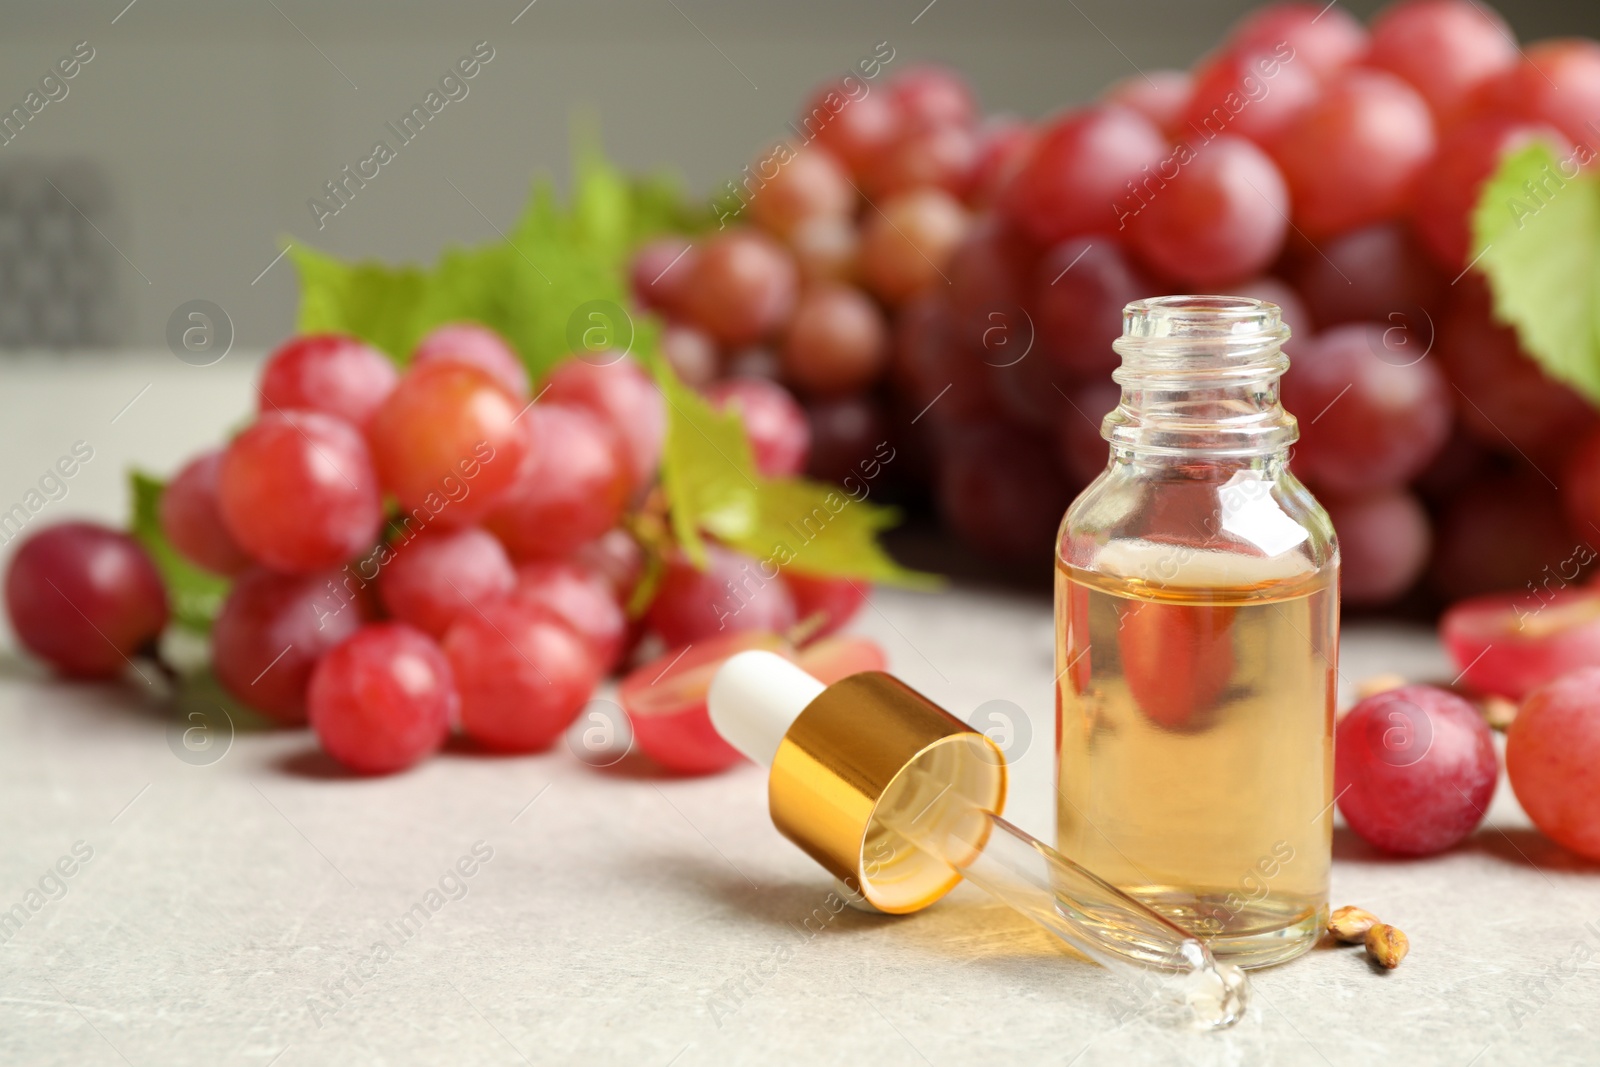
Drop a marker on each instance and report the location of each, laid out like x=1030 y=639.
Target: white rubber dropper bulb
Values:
x=755 y=697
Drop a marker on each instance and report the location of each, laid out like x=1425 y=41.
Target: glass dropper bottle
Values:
x=900 y=800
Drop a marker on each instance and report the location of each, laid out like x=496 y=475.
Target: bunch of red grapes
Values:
x=416 y=552
x=913 y=272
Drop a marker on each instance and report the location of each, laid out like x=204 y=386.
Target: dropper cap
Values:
x=842 y=758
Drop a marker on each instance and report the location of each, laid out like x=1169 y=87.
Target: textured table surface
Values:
x=232 y=908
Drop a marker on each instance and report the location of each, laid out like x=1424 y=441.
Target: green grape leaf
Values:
x=195 y=595
x=1537 y=224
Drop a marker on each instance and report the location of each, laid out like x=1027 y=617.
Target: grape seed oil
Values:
x=1197 y=642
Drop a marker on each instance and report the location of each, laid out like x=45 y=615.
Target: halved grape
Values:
x=1509 y=644
x=85 y=598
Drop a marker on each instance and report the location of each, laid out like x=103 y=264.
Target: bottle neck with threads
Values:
x=1199 y=381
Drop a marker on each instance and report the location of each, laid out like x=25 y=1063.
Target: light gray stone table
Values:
x=616 y=917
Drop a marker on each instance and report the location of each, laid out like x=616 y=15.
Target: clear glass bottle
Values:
x=1197 y=625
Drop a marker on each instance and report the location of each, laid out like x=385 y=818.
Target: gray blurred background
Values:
x=183 y=154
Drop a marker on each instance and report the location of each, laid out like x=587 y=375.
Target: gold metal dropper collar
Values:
x=840 y=774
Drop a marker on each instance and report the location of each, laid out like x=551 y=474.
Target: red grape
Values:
x=1291 y=307
x=1414 y=769
x=735 y=592
x=940 y=376
x=327 y=372
x=523 y=674
x=907 y=242
x=1162 y=96
x=435 y=576
x=1556 y=82
x=835 y=600
x=1509 y=644
x=743 y=287
x=989 y=278
x=1552 y=749
x=809 y=184
x=1503 y=399
x=666 y=702
x=298 y=491
x=1076 y=178
x=272 y=630
x=826 y=249
x=939 y=156
x=1003 y=143
x=1445 y=48
x=851 y=121
x=191 y=518
x=1079 y=290
x=1353 y=157
x=932 y=96
x=1366 y=421
x=84 y=598
x=617 y=557
x=691 y=352
x=447 y=442
x=1000 y=492
x=1323 y=37
x=1374 y=274
x=1383 y=545
x=475 y=346
x=582 y=598
x=1580 y=494
x=1254 y=93
x=662 y=272
x=845 y=436
x=1083 y=453
x=1221 y=218
x=620 y=394
x=573 y=486
x=775 y=425
x=837 y=342
x=1500 y=532
x=1468 y=154
x=383 y=699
